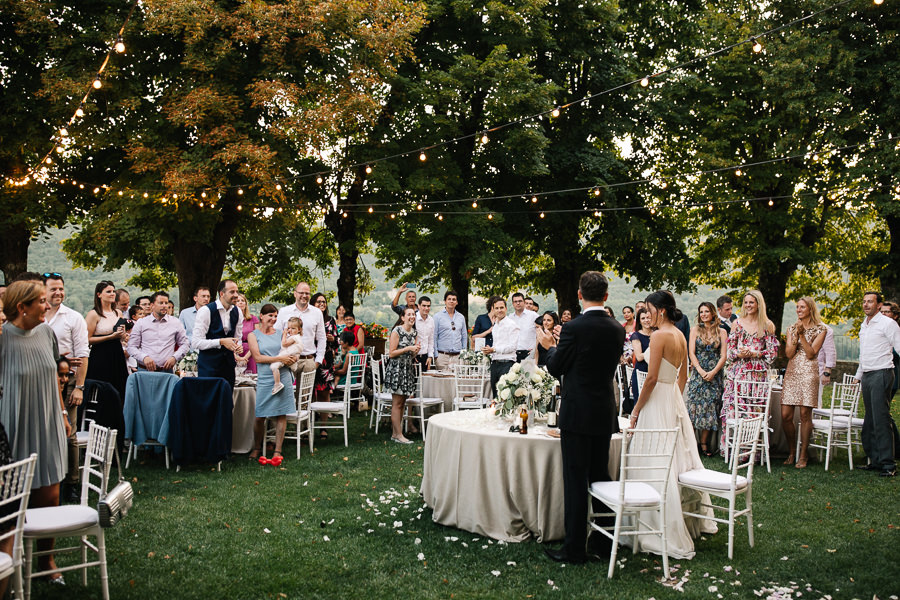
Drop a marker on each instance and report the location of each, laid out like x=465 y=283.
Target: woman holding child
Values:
x=266 y=347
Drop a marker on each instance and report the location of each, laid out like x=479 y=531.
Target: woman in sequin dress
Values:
x=801 y=379
x=752 y=346
x=706 y=352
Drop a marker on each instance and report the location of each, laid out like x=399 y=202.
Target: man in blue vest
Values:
x=217 y=334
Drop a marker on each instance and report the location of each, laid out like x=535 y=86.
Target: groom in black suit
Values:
x=587 y=355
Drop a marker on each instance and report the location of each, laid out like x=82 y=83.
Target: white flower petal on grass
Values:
x=510 y=563
x=420 y=556
x=453 y=538
x=370 y=530
x=712 y=588
x=727 y=568
x=266 y=530
x=326 y=538
x=398 y=524
x=417 y=541
x=784 y=558
x=465 y=545
x=495 y=573
x=550 y=582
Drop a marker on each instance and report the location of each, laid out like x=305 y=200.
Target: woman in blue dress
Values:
x=706 y=354
x=265 y=345
x=640 y=342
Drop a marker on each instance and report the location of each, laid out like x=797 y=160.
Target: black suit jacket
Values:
x=587 y=355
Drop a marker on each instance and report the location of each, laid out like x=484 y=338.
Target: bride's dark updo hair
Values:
x=664 y=300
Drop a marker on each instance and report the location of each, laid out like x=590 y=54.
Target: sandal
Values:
x=801 y=464
x=254 y=455
x=789 y=460
x=323 y=435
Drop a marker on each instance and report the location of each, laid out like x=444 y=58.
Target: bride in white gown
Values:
x=661 y=406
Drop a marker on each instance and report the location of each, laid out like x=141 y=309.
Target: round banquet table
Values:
x=480 y=477
x=441 y=385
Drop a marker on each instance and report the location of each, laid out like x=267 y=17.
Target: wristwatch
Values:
x=826 y=373
x=79 y=387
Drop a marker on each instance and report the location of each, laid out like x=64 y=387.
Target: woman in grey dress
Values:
x=400 y=373
x=32 y=408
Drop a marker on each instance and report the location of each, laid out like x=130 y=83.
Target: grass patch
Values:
x=260 y=532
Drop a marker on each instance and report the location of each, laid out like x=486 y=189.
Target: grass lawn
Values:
x=349 y=523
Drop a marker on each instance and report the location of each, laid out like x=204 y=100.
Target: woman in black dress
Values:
x=107 y=358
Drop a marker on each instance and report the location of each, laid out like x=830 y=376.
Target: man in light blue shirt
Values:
x=450 y=335
x=189 y=315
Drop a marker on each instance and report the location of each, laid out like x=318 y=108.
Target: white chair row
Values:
x=833 y=427
x=642 y=487
x=299 y=422
x=415 y=407
x=751 y=400
x=351 y=390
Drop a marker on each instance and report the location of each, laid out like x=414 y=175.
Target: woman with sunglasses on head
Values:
x=107 y=359
x=32 y=408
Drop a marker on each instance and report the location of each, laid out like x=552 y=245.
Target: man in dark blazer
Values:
x=587 y=356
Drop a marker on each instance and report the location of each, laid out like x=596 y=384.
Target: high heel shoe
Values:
x=276 y=461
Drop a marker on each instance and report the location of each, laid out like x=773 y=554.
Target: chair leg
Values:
x=748 y=503
x=665 y=544
x=101 y=555
x=84 y=560
x=166 y=452
x=828 y=443
x=131 y=448
x=731 y=528
x=346 y=440
x=29 y=548
x=615 y=545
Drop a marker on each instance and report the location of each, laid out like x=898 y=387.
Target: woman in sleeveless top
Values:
x=400 y=373
x=107 y=358
x=661 y=406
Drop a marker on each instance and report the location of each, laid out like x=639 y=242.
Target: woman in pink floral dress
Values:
x=752 y=346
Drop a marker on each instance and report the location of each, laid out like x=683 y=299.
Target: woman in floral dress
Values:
x=706 y=351
x=400 y=373
x=325 y=374
x=752 y=346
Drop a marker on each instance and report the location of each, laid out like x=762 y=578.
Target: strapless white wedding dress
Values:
x=666 y=409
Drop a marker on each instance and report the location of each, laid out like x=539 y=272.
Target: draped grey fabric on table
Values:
x=481 y=478
x=243 y=416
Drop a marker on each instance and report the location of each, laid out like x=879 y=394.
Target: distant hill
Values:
x=46 y=255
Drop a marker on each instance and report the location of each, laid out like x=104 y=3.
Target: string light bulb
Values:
x=542 y=215
x=393 y=216
x=146 y=194
x=484 y=138
x=757 y=45
x=490 y=216
x=120 y=45
x=475 y=204
x=879 y=2
x=319 y=179
x=771 y=203
x=422 y=157
x=240 y=191
x=278 y=186
x=63 y=132
x=201 y=205
x=98 y=83
x=96 y=190
x=554 y=113
x=534 y=199
x=419 y=206
x=645 y=82
x=596 y=191
x=440 y=217
x=344 y=214
x=738 y=172
x=371 y=210
x=368 y=169
x=79 y=112
x=120 y=192
x=203 y=194
x=49 y=161
x=239 y=207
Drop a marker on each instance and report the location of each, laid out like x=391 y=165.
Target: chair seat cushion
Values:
x=57 y=520
x=5 y=562
x=714 y=480
x=425 y=401
x=335 y=407
x=81 y=437
x=825 y=412
x=823 y=424
x=637 y=493
x=294 y=416
x=383 y=396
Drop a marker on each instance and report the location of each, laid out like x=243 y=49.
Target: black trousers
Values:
x=585 y=459
x=499 y=368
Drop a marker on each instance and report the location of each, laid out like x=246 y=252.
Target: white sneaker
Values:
x=277 y=387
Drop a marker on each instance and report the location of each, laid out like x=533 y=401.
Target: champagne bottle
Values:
x=552 y=409
x=523 y=414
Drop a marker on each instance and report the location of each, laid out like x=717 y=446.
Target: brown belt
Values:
x=306 y=356
x=448 y=353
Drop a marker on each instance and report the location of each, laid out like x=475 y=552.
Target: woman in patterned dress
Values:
x=250 y=322
x=752 y=346
x=801 y=378
x=704 y=389
x=400 y=373
x=325 y=374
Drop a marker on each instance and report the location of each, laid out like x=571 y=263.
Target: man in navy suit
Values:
x=587 y=356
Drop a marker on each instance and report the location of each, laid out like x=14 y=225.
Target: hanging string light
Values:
x=120 y=45
x=368 y=169
x=554 y=113
x=422 y=156
x=484 y=138
x=757 y=45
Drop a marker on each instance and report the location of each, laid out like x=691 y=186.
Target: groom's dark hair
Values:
x=593 y=286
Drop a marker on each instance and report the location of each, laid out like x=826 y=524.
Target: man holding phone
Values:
x=409 y=290
x=154 y=339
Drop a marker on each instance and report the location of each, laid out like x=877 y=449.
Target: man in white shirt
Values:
x=524 y=318
x=505 y=334
x=158 y=341
x=314 y=340
x=217 y=334
x=72 y=338
x=878 y=335
x=425 y=331
x=827 y=360
x=189 y=315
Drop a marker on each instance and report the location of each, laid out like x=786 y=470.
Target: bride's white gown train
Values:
x=666 y=409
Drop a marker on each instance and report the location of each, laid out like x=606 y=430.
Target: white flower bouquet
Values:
x=527 y=384
x=189 y=362
x=474 y=357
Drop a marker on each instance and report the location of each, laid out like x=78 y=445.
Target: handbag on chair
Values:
x=115 y=504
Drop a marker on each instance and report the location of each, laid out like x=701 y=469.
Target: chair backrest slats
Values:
x=97 y=461
x=469 y=380
x=305 y=390
x=15 y=488
x=647 y=457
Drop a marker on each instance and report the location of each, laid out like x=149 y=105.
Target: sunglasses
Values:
x=453 y=325
x=46 y=276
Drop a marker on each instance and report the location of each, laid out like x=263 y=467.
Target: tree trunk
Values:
x=345 y=232
x=890 y=274
x=459 y=282
x=202 y=264
x=565 y=283
x=773 y=286
x=14 y=252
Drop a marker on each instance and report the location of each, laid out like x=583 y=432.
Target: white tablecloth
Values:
x=243 y=416
x=443 y=387
x=481 y=478
x=778 y=445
